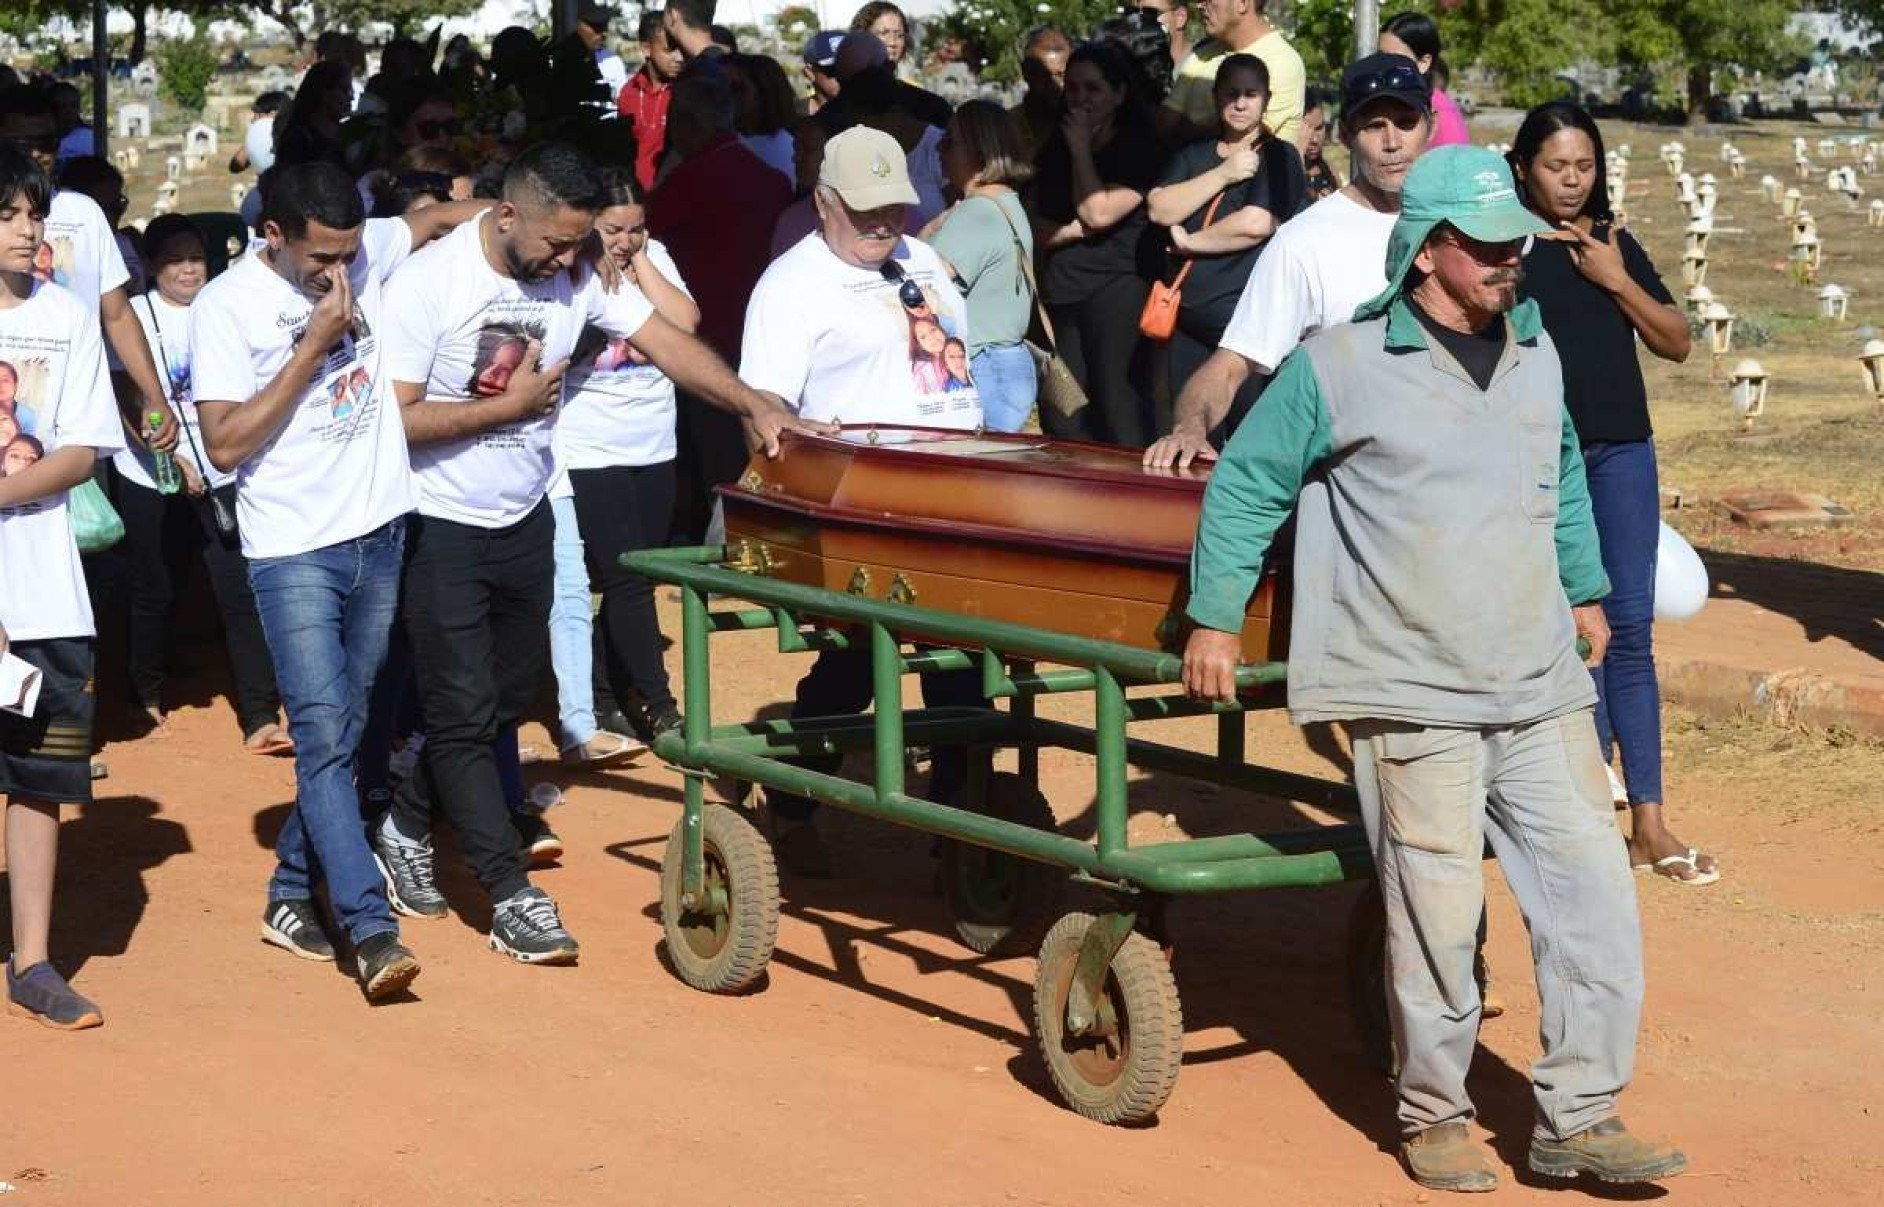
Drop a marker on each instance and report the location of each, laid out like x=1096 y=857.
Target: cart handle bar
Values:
x=698 y=567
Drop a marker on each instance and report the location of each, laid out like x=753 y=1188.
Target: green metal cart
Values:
x=1106 y=1009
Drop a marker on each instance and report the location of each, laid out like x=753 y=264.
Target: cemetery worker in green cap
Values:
x=1445 y=565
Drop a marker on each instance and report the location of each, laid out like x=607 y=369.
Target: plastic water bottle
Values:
x=169 y=477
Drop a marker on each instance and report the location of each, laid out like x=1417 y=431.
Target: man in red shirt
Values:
x=645 y=97
x=714 y=211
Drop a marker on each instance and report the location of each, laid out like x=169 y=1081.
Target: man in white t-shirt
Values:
x=56 y=420
x=850 y=326
x=480 y=329
x=80 y=251
x=292 y=395
x=1319 y=265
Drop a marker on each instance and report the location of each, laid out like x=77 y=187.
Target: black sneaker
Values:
x=526 y=928
x=295 y=927
x=539 y=841
x=383 y=965
x=619 y=720
x=44 y=996
x=406 y=866
x=660 y=720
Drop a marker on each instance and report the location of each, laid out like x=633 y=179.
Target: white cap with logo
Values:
x=868 y=169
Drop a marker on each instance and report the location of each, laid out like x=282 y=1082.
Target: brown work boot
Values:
x=1608 y=1151
x=1443 y=1157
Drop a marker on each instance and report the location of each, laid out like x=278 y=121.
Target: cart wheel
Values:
x=1002 y=904
x=724 y=943
x=1367 y=980
x=1126 y=1075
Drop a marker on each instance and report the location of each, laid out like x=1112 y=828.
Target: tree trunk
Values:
x=1700 y=90
x=140 y=19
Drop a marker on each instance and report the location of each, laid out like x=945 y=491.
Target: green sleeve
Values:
x=1579 y=555
x=1252 y=493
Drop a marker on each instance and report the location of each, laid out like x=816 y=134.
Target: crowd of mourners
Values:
x=488 y=321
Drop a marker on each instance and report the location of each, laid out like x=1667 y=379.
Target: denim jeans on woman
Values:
x=572 y=618
x=1007 y=381
x=328 y=616
x=1627 y=506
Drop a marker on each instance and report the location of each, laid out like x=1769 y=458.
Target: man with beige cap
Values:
x=852 y=324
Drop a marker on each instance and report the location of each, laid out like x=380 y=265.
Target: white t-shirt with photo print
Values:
x=618 y=409
x=80 y=250
x=339 y=469
x=167 y=331
x=838 y=343
x=54 y=394
x=460 y=328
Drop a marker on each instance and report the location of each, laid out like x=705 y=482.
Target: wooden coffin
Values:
x=1059 y=535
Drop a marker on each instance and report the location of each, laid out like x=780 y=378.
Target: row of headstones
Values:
x=1748 y=382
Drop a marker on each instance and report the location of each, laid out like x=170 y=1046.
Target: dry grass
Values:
x=1822 y=432
x=1828 y=775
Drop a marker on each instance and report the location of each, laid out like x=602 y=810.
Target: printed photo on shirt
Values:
x=349 y=391
x=500 y=352
x=18 y=453
x=938 y=359
x=619 y=356
x=21 y=382
x=177 y=367
x=53 y=261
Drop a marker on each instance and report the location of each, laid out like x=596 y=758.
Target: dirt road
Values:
x=882 y=1063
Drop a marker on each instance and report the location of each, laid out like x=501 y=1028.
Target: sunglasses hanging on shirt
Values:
x=908 y=292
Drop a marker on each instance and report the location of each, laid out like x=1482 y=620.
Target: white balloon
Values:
x=1680 y=578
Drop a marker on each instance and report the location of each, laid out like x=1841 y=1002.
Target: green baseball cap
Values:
x=1467 y=188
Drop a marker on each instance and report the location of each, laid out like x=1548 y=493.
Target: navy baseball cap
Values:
x=1384 y=76
x=821 y=49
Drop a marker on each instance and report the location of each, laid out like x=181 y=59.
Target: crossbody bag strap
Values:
x=1190 y=262
x=163 y=364
x=1027 y=274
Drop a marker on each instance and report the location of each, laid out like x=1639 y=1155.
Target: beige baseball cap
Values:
x=867 y=169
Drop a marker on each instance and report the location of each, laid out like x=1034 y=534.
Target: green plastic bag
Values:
x=95 y=523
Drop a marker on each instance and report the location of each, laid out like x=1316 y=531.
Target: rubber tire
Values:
x=732 y=960
x=1367 y=980
x=1151 y=1022
x=1034 y=902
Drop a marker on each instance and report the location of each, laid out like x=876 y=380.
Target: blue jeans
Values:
x=572 y=618
x=328 y=617
x=1007 y=381
x=1627 y=506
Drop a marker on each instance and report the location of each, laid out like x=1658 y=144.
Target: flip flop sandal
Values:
x=604 y=750
x=1692 y=860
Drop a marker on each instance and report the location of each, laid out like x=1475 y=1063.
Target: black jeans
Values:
x=712 y=453
x=620 y=509
x=476 y=603
x=162 y=533
x=838 y=683
x=1099 y=338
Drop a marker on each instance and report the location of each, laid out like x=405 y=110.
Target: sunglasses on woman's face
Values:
x=438 y=129
x=908 y=293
